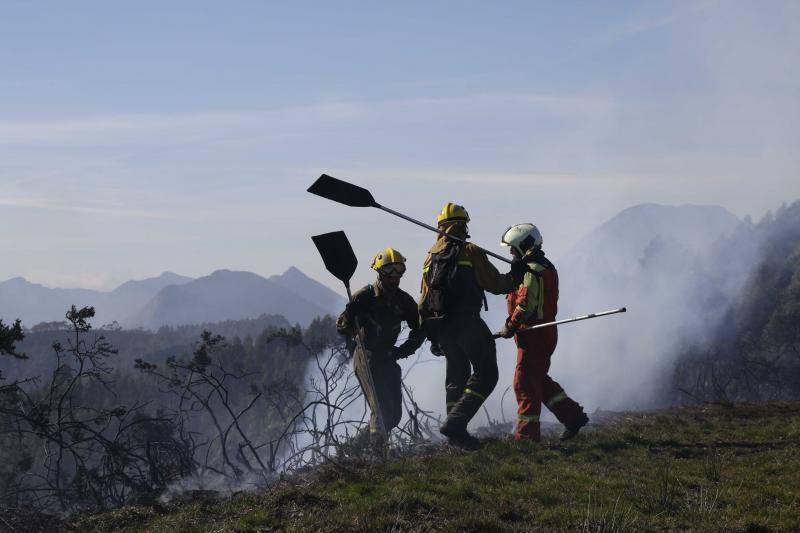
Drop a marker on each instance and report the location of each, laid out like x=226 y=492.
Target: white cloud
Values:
x=152 y=128
x=634 y=26
x=157 y=128
x=50 y=205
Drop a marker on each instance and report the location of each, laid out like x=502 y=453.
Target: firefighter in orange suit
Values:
x=535 y=301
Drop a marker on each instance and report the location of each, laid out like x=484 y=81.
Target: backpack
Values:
x=440 y=276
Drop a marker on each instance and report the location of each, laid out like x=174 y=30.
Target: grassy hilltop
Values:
x=703 y=469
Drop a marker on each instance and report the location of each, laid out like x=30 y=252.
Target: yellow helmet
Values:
x=452 y=211
x=390 y=262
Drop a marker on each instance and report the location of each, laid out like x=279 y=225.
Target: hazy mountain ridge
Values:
x=132 y=295
x=35 y=303
x=226 y=295
x=163 y=300
x=612 y=247
x=309 y=289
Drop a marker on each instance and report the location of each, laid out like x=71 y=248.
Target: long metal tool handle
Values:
x=352 y=195
x=573 y=319
x=437 y=230
x=371 y=382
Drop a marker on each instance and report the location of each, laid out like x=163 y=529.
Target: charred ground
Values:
x=730 y=468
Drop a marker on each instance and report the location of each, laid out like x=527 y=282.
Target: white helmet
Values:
x=522 y=237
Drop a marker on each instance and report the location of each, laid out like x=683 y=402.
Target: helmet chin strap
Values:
x=385 y=286
x=535 y=251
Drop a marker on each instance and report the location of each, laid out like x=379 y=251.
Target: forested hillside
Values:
x=98 y=418
x=754 y=353
x=150 y=346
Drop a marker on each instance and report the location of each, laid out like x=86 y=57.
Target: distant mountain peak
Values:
x=664 y=209
x=697 y=225
x=312 y=290
x=619 y=244
x=163 y=279
x=19 y=280
x=226 y=274
x=291 y=273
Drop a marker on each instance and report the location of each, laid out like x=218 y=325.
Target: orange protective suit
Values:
x=535 y=302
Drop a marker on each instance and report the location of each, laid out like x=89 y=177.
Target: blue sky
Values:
x=150 y=136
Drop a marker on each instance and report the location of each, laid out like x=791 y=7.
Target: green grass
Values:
x=711 y=469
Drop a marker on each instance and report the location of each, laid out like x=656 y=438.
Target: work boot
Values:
x=573 y=429
x=457 y=435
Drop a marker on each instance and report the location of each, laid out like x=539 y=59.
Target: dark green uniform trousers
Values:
x=471 y=373
x=386 y=377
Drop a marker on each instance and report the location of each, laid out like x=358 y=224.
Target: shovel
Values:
x=355 y=196
x=339 y=259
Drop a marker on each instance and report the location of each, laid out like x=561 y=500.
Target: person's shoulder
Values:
x=473 y=250
x=364 y=293
x=546 y=263
x=406 y=298
x=540 y=265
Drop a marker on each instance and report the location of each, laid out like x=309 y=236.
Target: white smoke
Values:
x=662 y=263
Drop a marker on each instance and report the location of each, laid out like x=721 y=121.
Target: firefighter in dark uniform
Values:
x=454 y=278
x=379 y=310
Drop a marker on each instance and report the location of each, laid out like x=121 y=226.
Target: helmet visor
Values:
x=393 y=269
x=503 y=241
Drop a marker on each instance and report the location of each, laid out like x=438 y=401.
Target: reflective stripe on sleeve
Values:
x=528 y=418
x=540 y=309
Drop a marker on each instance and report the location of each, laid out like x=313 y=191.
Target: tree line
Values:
x=753 y=354
x=86 y=427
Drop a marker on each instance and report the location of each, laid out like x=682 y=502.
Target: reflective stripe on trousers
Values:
x=555 y=399
x=472 y=392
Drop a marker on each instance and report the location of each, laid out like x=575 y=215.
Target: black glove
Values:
x=398 y=352
x=518 y=269
x=350 y=345
x=436 y=349
x=344 y=326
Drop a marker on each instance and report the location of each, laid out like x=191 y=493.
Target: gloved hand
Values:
x=397 y=352
x=344 y=327
x=436 y=349
x=350 y=345
x=518 y=269
x=508 y=331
